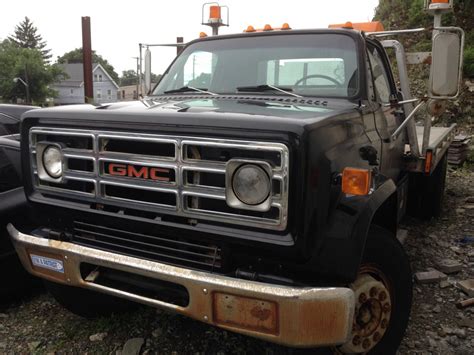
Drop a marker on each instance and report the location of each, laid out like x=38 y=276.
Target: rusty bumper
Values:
x=298 y=317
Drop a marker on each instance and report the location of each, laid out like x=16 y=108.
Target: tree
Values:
x=28 y=65
x=129 y=77
x=26 y=36
x=75 y=56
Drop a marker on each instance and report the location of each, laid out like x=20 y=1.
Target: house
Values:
x=71 y=89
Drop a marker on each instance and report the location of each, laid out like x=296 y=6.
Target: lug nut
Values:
x=362 y=297
x=384 y=323
x=376 y=336
x=373 y=291
x=386 y=307
x=366 y=343
x=383 y=296
x=356 y=340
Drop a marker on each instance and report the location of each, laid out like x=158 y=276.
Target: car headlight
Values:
x=251 y=184
x=52 y=161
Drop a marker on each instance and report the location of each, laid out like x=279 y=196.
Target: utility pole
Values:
x=138 y=77
x=87 y=59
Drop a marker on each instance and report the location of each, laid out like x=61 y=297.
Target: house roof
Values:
x=75 y=71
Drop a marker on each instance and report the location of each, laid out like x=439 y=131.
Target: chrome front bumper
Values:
x=299 y=317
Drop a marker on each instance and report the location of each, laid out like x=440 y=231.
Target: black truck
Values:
x=258 y=188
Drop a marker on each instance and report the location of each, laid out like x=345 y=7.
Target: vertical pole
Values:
x=178 y=48
x=139 y=68
x=215 y=29
x=87 y=59
x=138 y=78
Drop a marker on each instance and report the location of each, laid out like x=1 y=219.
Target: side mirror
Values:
x=147 y=71
x=446 y=63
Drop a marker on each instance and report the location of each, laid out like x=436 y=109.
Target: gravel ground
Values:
x=39 y=325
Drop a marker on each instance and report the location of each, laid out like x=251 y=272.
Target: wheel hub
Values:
x=371 y=315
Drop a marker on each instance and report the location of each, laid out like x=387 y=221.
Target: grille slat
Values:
x=155 y=248
x=146 y=168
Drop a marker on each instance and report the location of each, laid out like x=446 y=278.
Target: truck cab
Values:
x=257 y=188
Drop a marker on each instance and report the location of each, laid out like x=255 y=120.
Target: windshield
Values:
x=305 y=64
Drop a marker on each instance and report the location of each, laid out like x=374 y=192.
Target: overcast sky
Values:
x=119 y=26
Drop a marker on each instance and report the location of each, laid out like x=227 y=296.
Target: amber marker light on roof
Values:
x=249 y=29
x=267 y=27
x=202 y=34
x=285 y=26
x=215 y=12
x=356 y=181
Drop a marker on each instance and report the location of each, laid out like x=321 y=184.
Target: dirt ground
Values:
x=38 y=324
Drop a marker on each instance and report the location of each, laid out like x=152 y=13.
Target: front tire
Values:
x=386 y=275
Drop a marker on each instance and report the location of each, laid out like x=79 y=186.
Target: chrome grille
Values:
x=179 y=164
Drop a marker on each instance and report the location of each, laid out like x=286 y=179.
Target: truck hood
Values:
x=266 y=113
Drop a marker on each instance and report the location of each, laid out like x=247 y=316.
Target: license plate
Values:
x=47 y=263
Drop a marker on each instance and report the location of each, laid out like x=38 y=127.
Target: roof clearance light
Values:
x=374 y=26
x=285 y=26
x=250 y=29
x=267 y=27
x=356 y=181
x=348 y=25
x=440 y=1
x=215 y=12
x=202 y=34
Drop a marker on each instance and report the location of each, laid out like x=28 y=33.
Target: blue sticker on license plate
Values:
x=47 y=263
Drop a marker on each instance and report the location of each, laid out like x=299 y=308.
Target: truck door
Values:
x=387 y=119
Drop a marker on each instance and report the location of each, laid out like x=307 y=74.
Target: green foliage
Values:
x=469 y=62
x=26 y=36
x=129 y=77
x=29 y=65
x=75 y=56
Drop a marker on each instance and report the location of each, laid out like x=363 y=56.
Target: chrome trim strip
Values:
x=180 y=163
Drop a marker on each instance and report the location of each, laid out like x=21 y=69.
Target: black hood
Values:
x=256 y=113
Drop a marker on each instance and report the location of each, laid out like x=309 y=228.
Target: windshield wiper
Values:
x=267 y=87
x=189 y=88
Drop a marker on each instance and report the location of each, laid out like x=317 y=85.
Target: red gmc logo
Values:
x=142 y=172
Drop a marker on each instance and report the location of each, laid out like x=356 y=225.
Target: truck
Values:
x=257 y=188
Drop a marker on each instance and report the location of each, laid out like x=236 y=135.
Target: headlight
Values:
x=251 y=184
x=52 y=161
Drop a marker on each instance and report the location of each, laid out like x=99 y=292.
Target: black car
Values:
x=13 y=205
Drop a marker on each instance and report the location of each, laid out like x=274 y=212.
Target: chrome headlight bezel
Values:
x=232 y=200
x=43 y=173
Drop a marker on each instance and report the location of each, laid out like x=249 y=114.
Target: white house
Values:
x=71 y=90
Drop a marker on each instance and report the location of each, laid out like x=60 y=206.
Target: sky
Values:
x=119 y=26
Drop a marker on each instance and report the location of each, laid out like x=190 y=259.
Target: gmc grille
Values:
x=159 y=175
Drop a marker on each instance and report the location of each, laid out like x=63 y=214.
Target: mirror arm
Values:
x=395 y=102
x=409 y=117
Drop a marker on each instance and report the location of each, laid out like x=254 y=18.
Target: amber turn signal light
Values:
x=356 y=181
x=428 y=162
